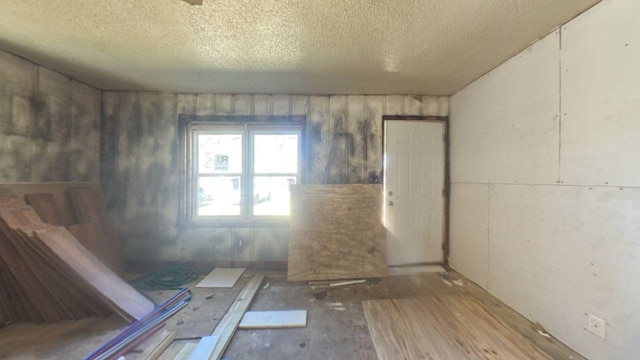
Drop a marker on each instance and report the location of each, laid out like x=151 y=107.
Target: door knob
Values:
x=390 y=203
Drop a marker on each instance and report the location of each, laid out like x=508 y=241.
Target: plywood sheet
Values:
x=46 y=207
x=88 y=206
x=119 y=295
x=443 y=327
x=221 y=278
x=274 y=319
x=336 y=232
x=88 y=235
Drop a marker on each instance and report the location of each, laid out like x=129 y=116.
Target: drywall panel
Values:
x=504 y=126
x=469 y=231
x=558 y=252
x=601 y=96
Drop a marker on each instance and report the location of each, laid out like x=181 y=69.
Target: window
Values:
x=240 y=171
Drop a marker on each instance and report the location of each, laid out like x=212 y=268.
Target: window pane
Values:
x=219 y=195
x=219 y=153
x=271 y=194
x=275 y=153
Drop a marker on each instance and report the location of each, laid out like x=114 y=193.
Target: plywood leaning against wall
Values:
x=336 y=232
x=139 y=167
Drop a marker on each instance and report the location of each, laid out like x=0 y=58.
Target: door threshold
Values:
x=415 y=270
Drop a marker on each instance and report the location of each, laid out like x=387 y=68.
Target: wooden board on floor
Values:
x=221 y=278
x=274 y=319
x=204 y=348
x=415 y=270
x=229 y=323
x=443 y=327
x=336 y=232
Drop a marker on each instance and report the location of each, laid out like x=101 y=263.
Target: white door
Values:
x=414 y=191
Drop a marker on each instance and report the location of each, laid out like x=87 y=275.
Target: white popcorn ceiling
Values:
x=277 y=46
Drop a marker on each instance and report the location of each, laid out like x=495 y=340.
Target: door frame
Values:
x=447 y=179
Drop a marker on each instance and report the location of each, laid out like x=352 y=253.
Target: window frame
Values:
x=249 y=126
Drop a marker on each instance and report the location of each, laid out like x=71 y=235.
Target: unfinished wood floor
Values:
x=336 y=324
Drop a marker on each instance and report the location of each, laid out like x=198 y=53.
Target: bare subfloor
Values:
x=336 y=326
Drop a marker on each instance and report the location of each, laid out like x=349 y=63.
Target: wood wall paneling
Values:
x=356 y=140
x=374 y=107
x=337 y=159
x=140 y=176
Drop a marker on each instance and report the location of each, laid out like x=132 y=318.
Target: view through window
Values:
x=244 y=172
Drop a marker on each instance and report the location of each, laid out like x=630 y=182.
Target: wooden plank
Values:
x=45 y=305
x=205 y=347
x=393 y=105
x=337 y=167
x=412 y=105
x=274 y=319
x=205 y=104
x=172 y=350
x=46 y=208
x=88 y=235
x=185 y=351
x=224 y=104
x=221 y=278
x=229 y=323
x=281 y=105
x=350 y=282
x=242 y=104
x=120 y=296
x=76 y=300
x=356 y=140
x=262 y=105
x=88 y=206
x=374 y=109
x=336 y=232
x=317 y=134
x=415 y=270
x=443 y=327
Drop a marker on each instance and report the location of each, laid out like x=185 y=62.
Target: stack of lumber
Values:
x=47 y=275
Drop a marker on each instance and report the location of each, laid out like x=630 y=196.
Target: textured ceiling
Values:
x=432 y=47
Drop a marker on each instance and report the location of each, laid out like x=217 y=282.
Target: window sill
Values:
x=233 y=223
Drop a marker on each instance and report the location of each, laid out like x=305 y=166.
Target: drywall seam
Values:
x=488 y=236
x=531 y=184
x=560 y=105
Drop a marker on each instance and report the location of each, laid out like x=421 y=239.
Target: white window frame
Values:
x=249 y=128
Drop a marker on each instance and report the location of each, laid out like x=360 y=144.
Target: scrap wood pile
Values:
x=47 y=274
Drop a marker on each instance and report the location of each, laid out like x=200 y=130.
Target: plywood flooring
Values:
x=443 y=327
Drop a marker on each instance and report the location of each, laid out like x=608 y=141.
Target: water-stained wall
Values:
x=49 y=125
x=139 y=164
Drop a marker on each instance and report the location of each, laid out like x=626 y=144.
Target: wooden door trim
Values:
x=447 y=167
